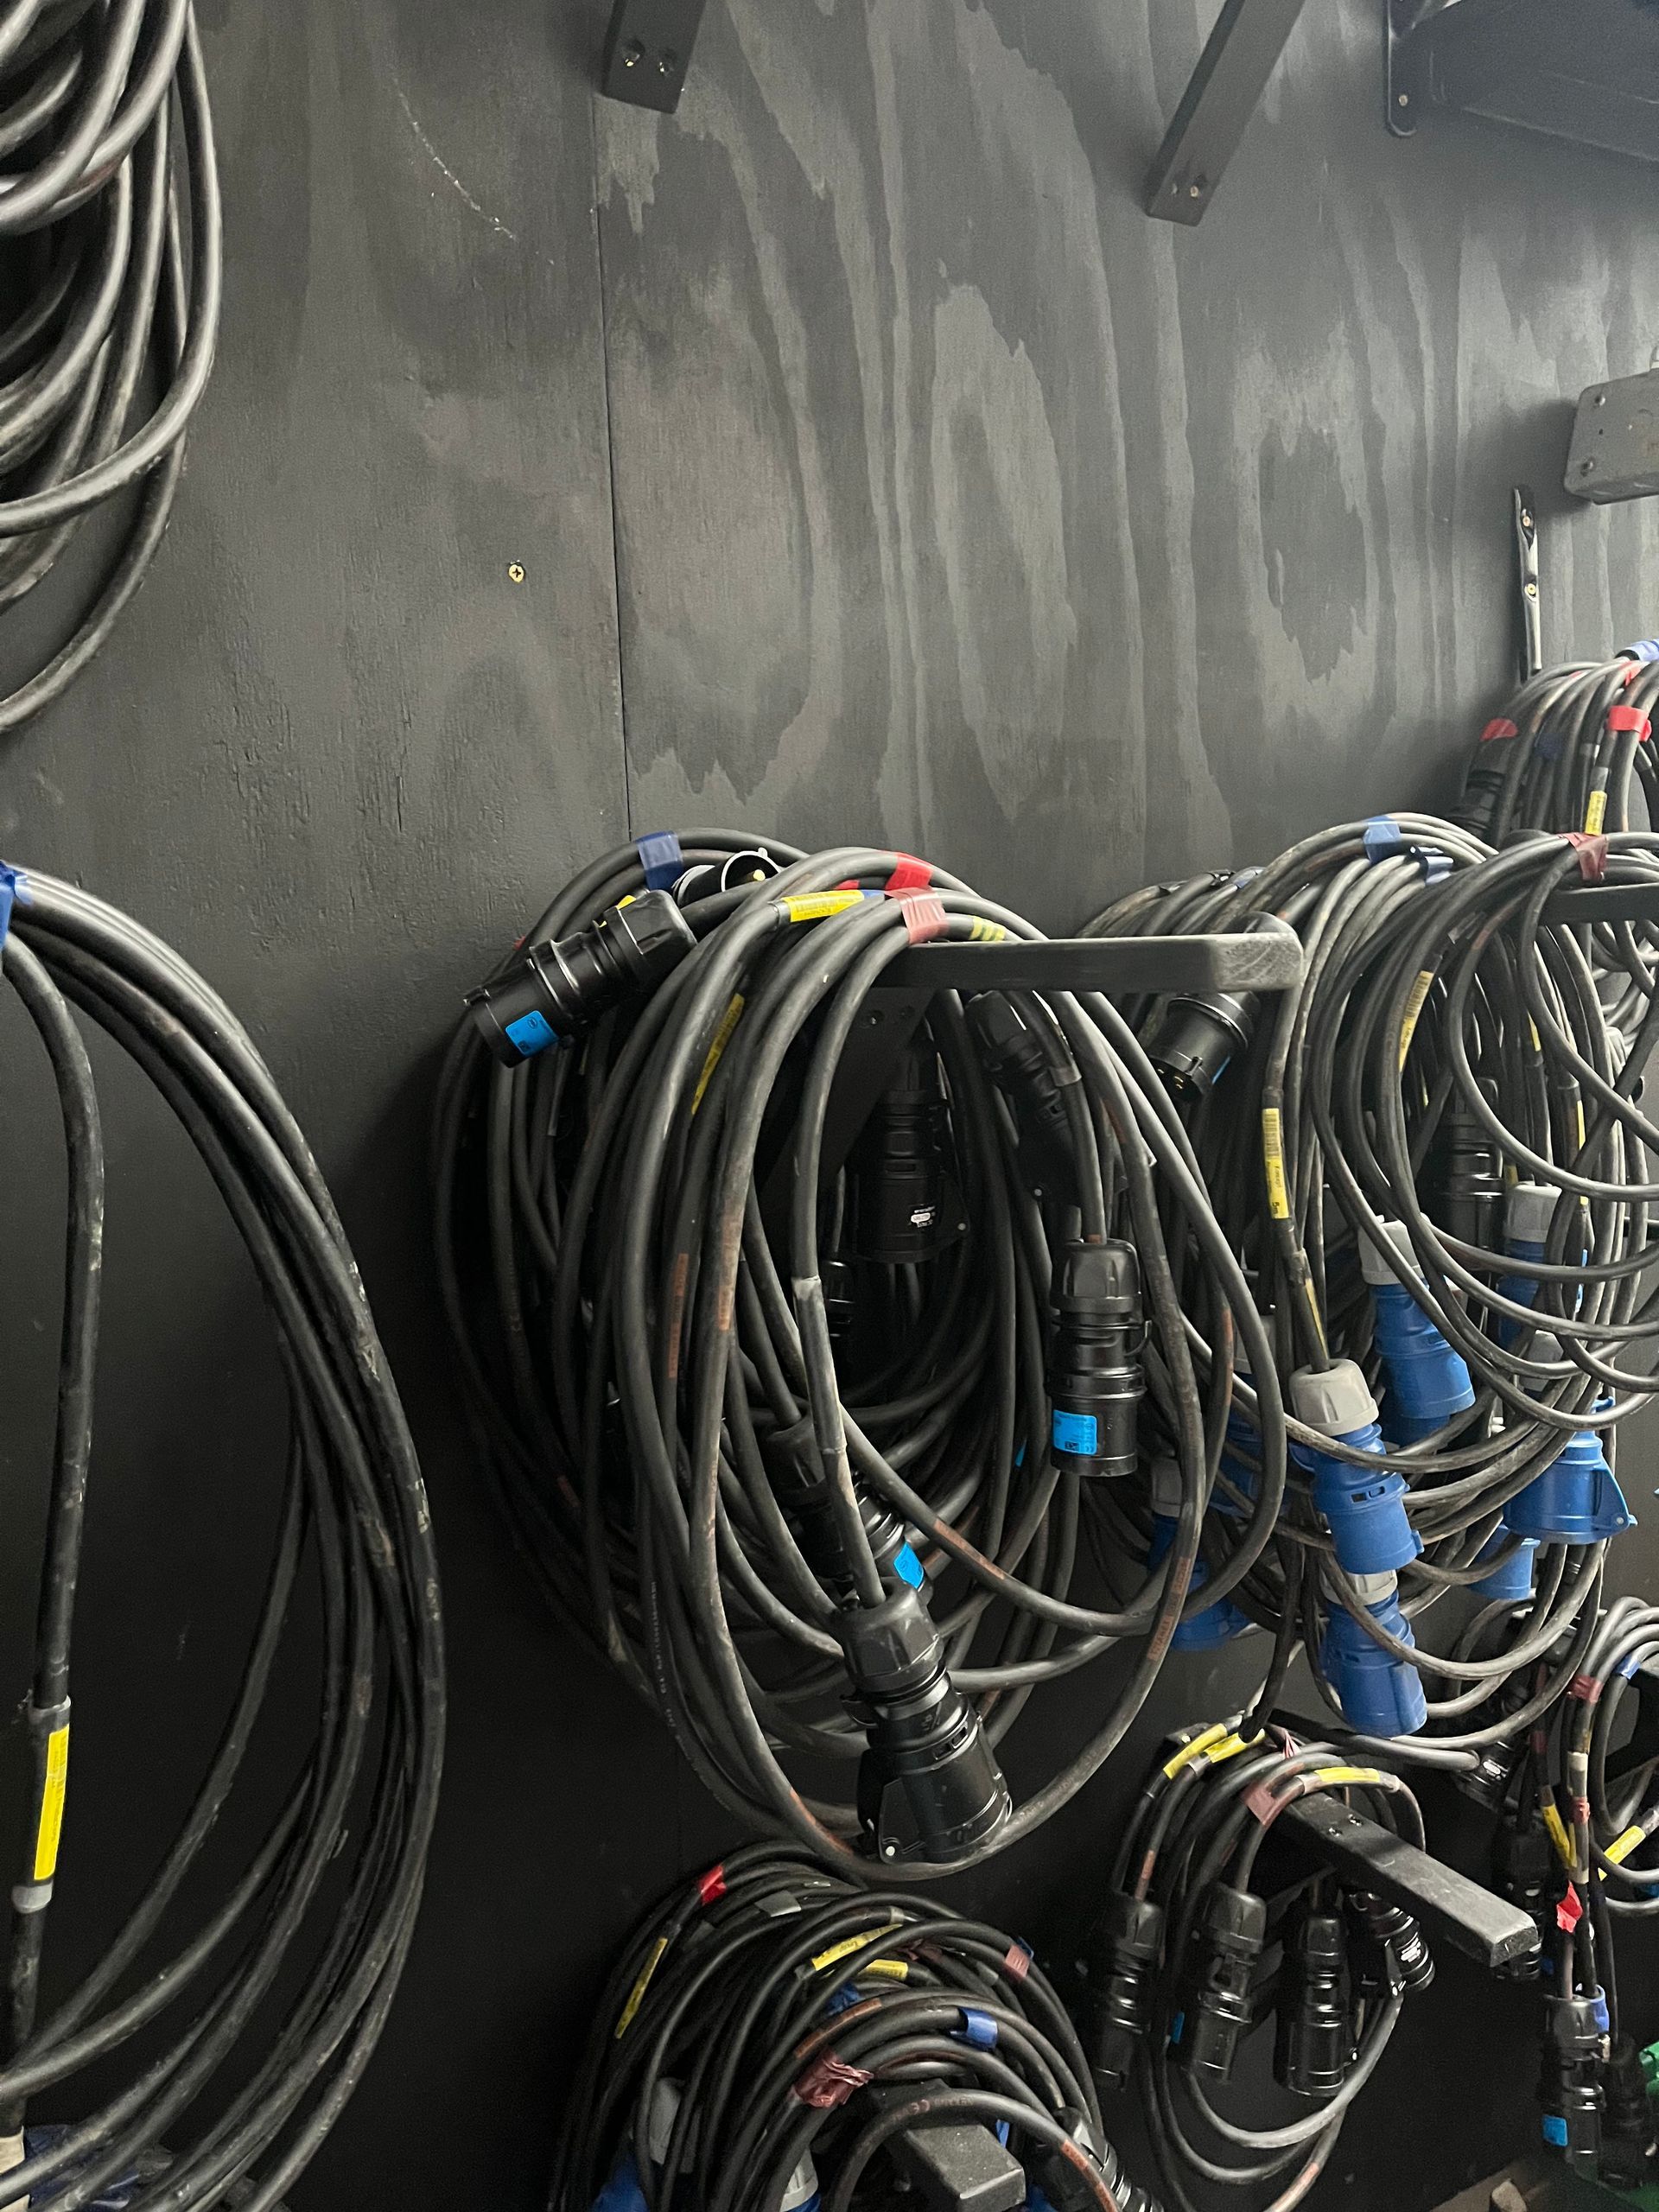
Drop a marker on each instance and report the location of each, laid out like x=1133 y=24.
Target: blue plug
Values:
x=1380 y=1695
x=1510 y=1583
x=1428 y=1381
x=1217 y=1624
x=1366 y=1512
x=1576 y=1499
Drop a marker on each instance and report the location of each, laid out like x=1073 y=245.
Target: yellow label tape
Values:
x=1559 y=1837
x=822 y=904
x=1196 y=1748
x=1415 y=1005
x=845 y=1950
x=1620 y=1849
x=1595 y=814
x=1229 y=1747
x=729 y=1022
x=1273 y=1159
x=984 y=932
x=637 y=1994
x=1340 y=1777
x=50 y=1832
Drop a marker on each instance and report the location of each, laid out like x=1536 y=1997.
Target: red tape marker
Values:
x=712 y=1886
x=1621 y=719
x=1569 y=1912
x=911 y=874
x=923 y=913
x=827 y=2082
x=1592 y=852
x=1502 y=728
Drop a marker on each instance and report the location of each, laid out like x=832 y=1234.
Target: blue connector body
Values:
x=1577 y=1500
x=622 y=2192
x=1428 y=1381
x=1510 y=1583
x=1217 y=1624
x=1366 y=1513
x=1380 y=1695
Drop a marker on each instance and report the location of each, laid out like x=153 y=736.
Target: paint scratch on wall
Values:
x=447 y=174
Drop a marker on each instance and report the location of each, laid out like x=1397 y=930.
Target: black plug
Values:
x=1391 y=1954
x=1314 y=2046
x=1191 y=1040
x=1575 y=2041
x=1526 y=1871
x=929 y=1785
x=1467 y=1190
x=1235 y=1930
x=1014 y=1055
x=557 y=990
x=899 y=1167
x=1096 y=1379
x=1126 y=1952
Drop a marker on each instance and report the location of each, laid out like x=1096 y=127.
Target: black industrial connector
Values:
x=1465 y=1187
x=1391 y=1953
x=1488 y=1781
x=816 y=1527
x=1013 y=1056
x=1235 y=1930
x=1525 y=1872
x=899 y=1168
x=1627 y=2130
x=1191 y=1040
x=1070 y=2186
x=556 y=991
x=1575 y=2040
x=1313 y=2045
x=929 y=1785
x=1096 y=1380
x=1126 y=1952
x=737 y=872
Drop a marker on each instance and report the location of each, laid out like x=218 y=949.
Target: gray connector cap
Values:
x=1527 y=1212
x=1398 y=1265
x=1335 y=1401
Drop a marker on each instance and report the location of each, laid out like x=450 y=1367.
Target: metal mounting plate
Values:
x=648 y=51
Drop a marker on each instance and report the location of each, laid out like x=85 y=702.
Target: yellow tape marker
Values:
x=984 y=932
x=1559 y=1837
x=1196 y=1748
x=1229 y=1747
x=1577 y=1122
x=637 y=1994
x=50 y=1832
x=1537 y=1041
x=728 y=1021
x=1415 y=1004
x=842 y=1950
x=1595 y=814
x=1620 y=1849
x=1340 y=1777
x=1273 y=1159
x=822 y=904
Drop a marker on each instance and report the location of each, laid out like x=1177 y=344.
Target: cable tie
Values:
x=14 y=891
x=911 y=874
x=1384 y=839
x=1592 y=852
x=712 y=1886
x=1621 y=720
x=1586 y=1688
x=1570 y=1911
x=923 y=913
x=977 y=2028
x=1017 y=1962
x=661 y=858
x=1502 y=728
x=827 y=2082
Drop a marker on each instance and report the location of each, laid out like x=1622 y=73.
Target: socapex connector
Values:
x=556 y=991
x=929 y=1785
x=1095 y=1374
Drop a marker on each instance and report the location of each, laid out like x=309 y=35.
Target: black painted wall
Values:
x=875 y=469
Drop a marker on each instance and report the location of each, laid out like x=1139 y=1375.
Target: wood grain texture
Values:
x=955 y=503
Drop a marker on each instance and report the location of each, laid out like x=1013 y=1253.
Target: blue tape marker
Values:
x=908 y=1567
x=1549 y=743
x=1002 y=2137
x=1644 y=649
x=14 y=891
x=532 y=1033
x=977 y=2028
x=661 y=858
x=1555 y=2130
x=1436 y=864
x=843 y=1997
x=1383 y=840
x=1630 y=1664
x=1077 y=1433
x=1176 y=2026
x=1598 y=2014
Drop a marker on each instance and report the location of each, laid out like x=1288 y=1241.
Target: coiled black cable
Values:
x=336 y=1882
x=109 y=201
x=633 y=1238
x=774 y=2024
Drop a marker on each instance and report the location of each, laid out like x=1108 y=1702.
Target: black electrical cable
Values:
x=773 y=2028
x=335 y=1883
x=110 y=205
x=767 y=1403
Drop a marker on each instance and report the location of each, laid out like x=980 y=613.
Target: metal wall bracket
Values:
x=1215 y=109
x=648 y=51
x=1403 y=67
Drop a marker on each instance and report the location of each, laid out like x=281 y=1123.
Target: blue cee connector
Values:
x=1510 y=1583
x=1528 y=1213
x=1380 y=1695
x=1366 y=1513
x=1428 y=1381
x=1576 y=1499
x=1217 y=1624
